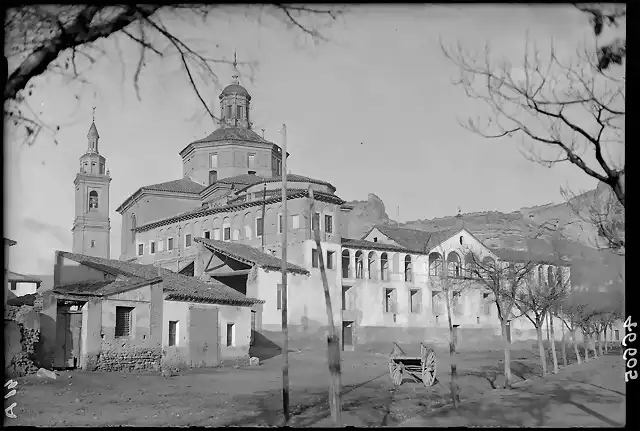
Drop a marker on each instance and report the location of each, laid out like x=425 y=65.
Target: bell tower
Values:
x=91 y=226
x=235 y=103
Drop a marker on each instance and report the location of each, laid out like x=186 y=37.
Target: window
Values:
x=328 y=223
x=152 y=247
x=279 y=167
x=228 y=111
x=236 y=234
x=330 y=259
x=93 y=243
x=247 y=232
x=216 y=234
x=251 y=160
x=13 y=285
x=187 y=240
x=123 y=321
x=133 y=227
x=280 y=223
x=345 y=297
x=231 y=329
x=213 y=176
x=227 y=233
x=207 y=234
x=173 y=331
x=140 y=249
x=239 y=111
x=389 y=300
x=295 y=221
x=169 y=244
x=259 y=226
x=314 y=258
x=161 y=245
x=375 y=239
x=477 y=318
x=93 y=199
x=415 y=305
x=315 y=222
x=279 y=298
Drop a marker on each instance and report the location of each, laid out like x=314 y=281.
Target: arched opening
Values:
x=435 y=264
x=453 y=264
x=541 y=276
x=93 y=199
x=346 y=262
x=469 y=265
x=550 y=279
x=372 y=265
x=134 y=225
x=384 y=267
x=407 y=268
x=359 y=264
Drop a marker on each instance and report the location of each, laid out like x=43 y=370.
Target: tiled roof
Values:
x=14 y=276
x=509 y=255
x=291 y=178
x=233 y=134
x=240 y=204
x=413 y=239
x=183 y=185
x=175 y=285
x=244 y=180
x=360 y=243
x=235 y=88
x=249 y=255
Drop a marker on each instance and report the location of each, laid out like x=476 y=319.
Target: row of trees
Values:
x=538 y=288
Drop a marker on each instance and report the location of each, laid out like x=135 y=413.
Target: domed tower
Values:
x=235 y=105
x=91 y=226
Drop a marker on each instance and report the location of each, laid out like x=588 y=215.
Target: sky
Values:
x=371 y=110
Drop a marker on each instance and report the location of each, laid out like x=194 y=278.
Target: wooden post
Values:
x=264 y=204
x=285 y=329
x=333 y=340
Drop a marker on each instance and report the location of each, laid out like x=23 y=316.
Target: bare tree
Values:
x=66 y=40
x=502 y=281
x=561 y=108
x=447 y=279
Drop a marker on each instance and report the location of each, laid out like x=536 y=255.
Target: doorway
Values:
x=253 y=328
x=72 y=338
x=347 y=335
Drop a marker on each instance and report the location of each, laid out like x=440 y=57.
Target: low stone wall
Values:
x=127 y=360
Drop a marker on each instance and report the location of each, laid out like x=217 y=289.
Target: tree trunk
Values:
x=606 y=346
x=585 y=341
x=553 y=345
x=564 y=349
x=452 y=350
x=507 y=355
x=543 y=354
x=599 y=341
x=592 y=345
x=575 y=346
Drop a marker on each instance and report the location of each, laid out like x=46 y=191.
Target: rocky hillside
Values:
x=365 y=214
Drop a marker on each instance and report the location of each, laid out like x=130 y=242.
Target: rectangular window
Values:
x=213 y=161
x=280 y=224
x=295 y=221
x=169 y=244
x=152 y=247
x=173 y=332
x=416 y=300
x=330 y=255
x=216 y=234
x=161 y=245
x=389 y=300
x=227 y=233
x=187 y=240
x=259 y=226
x=228 y=111
x=315 y=222
x=231 y=335
x=328 y=223
x=314 y=258
x=279 y=298
x=13 y=285
x=123 y=321
x=251 y=161
x=93 y=243
x=140 y=249
x=213 y=177
x=207 y=234
x=238 y=111
x=236 y=234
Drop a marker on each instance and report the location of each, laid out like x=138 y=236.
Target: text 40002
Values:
x=629 y=354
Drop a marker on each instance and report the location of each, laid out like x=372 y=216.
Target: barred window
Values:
x=123 y=321
x=173 y=330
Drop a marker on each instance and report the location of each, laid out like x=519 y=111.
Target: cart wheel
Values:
x=395 y=370
x=429 y=368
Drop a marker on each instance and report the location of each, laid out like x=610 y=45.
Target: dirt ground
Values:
x=252 y=396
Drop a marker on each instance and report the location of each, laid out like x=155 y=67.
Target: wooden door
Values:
x=204 y=337
x=73 y=338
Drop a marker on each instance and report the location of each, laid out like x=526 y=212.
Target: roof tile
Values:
x=14 y=276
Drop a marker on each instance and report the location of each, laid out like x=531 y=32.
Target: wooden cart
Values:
x=421 y=368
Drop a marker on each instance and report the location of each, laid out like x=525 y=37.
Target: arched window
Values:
x=384 y=267
x=435 y=264
x=407 y=268
x=133 y=227
x=550 y=279
x=469 y=265
x=93 y=199
x=453 y=264
x=346 y=262
x=372 y=265
x=359 y=264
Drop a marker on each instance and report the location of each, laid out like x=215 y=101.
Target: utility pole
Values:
x=285 y=329
x=264 y=200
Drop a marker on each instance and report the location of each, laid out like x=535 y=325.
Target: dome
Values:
x=235 y=88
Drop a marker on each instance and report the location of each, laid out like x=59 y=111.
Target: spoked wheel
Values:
x=429 y=368
x=395 y=370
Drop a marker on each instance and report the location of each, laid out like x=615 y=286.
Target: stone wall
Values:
x=127 y=360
